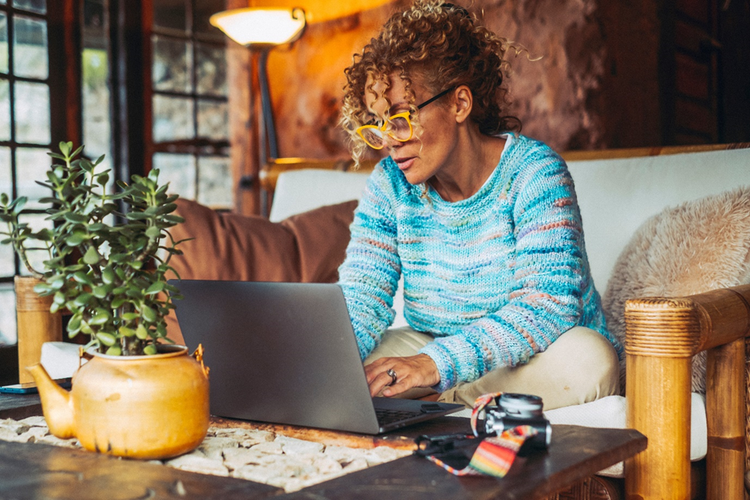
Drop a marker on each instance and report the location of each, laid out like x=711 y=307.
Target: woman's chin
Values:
x=414 y=179
x=414 y=176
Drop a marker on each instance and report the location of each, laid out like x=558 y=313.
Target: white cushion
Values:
x=616 y=196
x=611 y=413
x=298 y=191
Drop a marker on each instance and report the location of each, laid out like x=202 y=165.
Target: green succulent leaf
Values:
x=148 y=314
x=114 y=350
x=82 y=277
x=76 y=238
x=101 y=291
x=174 y=219
x=74 y=325
x=18 y=204
x=92 y=256
x=43 y=235
x=118 y=302
x=150 y=350
x=126 y=332
x=155 y=288
x=75 y=217
x=65 y=148
x=106 y=338
x=108 y=276
x=141 y=332
x=136 y=216
x=118 y=258
x=82 y=299
x=101 y=317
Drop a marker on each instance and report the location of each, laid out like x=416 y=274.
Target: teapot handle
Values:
x=198 y=355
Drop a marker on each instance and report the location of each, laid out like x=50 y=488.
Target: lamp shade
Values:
x=261 y=26
x=322 y=10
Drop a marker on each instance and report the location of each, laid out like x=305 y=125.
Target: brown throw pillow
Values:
x=695 y=247
x=307 y=247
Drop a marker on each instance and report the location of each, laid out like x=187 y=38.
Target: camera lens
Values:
x=521 y=405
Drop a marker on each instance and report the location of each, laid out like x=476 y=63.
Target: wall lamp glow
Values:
x=261 y=26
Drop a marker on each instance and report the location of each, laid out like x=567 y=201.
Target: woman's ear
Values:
x=463 y=100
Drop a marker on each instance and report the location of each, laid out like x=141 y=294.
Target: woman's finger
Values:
x=379 y=383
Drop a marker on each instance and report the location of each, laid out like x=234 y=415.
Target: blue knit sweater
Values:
x=494 y=278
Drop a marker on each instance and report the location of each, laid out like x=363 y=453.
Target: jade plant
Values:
x=105 y=262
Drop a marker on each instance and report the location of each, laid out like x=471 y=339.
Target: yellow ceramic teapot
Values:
x=148 y=407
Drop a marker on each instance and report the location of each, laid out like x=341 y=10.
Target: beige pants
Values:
x=579 y=367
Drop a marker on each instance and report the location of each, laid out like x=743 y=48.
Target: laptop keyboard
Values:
x=387 y=417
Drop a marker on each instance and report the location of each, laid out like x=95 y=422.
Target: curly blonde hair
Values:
x=446 y=46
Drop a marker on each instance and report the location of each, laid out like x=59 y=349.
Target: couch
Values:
x=670 y=223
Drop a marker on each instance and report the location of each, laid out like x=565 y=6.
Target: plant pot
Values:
x=147 y=407
x=36 y=325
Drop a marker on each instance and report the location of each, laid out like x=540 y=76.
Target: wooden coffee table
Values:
x=41 y=471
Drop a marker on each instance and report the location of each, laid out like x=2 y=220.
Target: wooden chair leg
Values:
x=659 y=407
x=725 y=411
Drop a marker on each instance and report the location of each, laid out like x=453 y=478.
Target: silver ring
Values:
x=393 y=375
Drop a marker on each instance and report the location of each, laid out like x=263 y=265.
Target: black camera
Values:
x=513 y=410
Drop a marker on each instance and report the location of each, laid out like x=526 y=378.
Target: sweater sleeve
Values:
x=370 y=273
x=549 y=279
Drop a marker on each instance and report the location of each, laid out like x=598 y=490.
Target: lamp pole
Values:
x=268 y=146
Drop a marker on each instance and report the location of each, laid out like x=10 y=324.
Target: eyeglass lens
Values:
x=398 y=128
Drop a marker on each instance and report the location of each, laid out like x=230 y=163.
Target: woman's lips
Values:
x=404 y=163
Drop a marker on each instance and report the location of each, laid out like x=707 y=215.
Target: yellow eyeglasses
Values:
x=397 y=127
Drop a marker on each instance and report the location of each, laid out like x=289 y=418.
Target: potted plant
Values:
x=111 y=276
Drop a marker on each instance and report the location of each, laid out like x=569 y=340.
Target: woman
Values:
x=481 y=223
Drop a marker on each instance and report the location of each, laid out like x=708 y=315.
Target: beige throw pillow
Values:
x=692 y=248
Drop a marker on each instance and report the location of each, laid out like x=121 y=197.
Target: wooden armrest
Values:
x=271 y=171
x=662 y=335
x=608 y=154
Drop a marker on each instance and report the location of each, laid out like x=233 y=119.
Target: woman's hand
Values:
x=411 y=371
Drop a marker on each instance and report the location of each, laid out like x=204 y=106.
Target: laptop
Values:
x=285 y=353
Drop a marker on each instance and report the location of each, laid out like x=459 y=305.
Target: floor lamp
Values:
x=262 y=29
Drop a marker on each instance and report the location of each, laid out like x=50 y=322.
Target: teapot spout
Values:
x=57 y=403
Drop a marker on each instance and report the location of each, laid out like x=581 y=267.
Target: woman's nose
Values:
x=392 y=143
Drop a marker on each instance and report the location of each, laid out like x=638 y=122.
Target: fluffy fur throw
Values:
x=692 y=248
